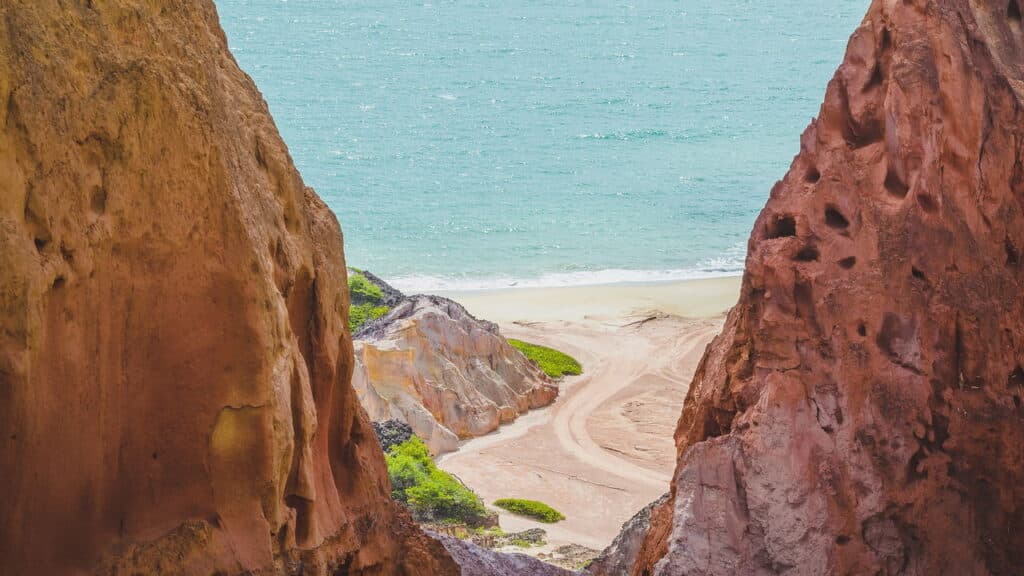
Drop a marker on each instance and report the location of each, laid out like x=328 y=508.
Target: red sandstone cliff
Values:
x=174 y=364
x=861 y=413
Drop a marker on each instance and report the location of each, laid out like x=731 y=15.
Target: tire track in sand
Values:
x=550 y=455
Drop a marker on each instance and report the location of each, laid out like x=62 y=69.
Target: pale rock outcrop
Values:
x=174 y=363
x=448 y=375
x=862 y=411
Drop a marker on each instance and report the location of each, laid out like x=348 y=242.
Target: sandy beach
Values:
x=604 y=450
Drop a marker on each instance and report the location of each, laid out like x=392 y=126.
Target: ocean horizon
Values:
x=471 y=145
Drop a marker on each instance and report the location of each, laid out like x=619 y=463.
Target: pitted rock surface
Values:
x=862 y=411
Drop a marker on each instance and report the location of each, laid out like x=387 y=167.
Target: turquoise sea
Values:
x=470 y=143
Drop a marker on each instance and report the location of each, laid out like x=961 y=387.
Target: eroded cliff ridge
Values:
x=450 y=376
x=174 y=363
x=861 y=412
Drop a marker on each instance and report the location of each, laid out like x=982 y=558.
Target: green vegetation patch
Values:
x=362 y=290
x=367 y=300
x=532 y=508
x=554 y=363
x=359 y=314
x=432 y=494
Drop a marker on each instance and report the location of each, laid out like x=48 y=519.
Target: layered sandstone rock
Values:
x=861 y=413
x=174 y=363
x=431 y=364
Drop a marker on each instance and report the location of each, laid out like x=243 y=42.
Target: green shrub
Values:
x=532 y=508
x=359 y=314
x=554 y=363
x=431 y=493
x=443 y=497
x=362 y=290
x=409 y=465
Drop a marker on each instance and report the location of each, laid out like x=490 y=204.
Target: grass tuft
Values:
x=554 y=363
x=531 y=508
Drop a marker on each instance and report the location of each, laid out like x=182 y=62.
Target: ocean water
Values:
x=471 y=143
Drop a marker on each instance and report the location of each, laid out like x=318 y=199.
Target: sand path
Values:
x=604 y=450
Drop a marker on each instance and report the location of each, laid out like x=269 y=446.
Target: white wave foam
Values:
x=728 y=263
x=419 y=284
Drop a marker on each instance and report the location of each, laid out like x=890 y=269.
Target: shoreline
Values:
x=616 y=284
x=697 y=298
x=448 y=286
x=604 y=449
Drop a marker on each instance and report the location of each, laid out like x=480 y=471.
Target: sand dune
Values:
x=604 y=450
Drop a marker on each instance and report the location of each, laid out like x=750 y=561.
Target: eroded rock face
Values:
x=861 y=413
x=174 y=364
x=621 y=555
x=448 y=375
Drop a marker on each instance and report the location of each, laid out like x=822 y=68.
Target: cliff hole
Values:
x=862 y=132
x=1013 y=12
x=898 y=340
x=345 y=567
x=1012 y=256
x=808 y=254
x=782 y=227
x=927 y=203
x=261 y=160
x=303 y=517
x=37 y=223
x=895 y=185
x=916 y=273
x=812 y=175
x=859 y=136
x=1016 y=380
x=876 y=78
x=835 y=219
x=848 y=263
x=886 y=40
x=98 y=200
x=862 y=330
